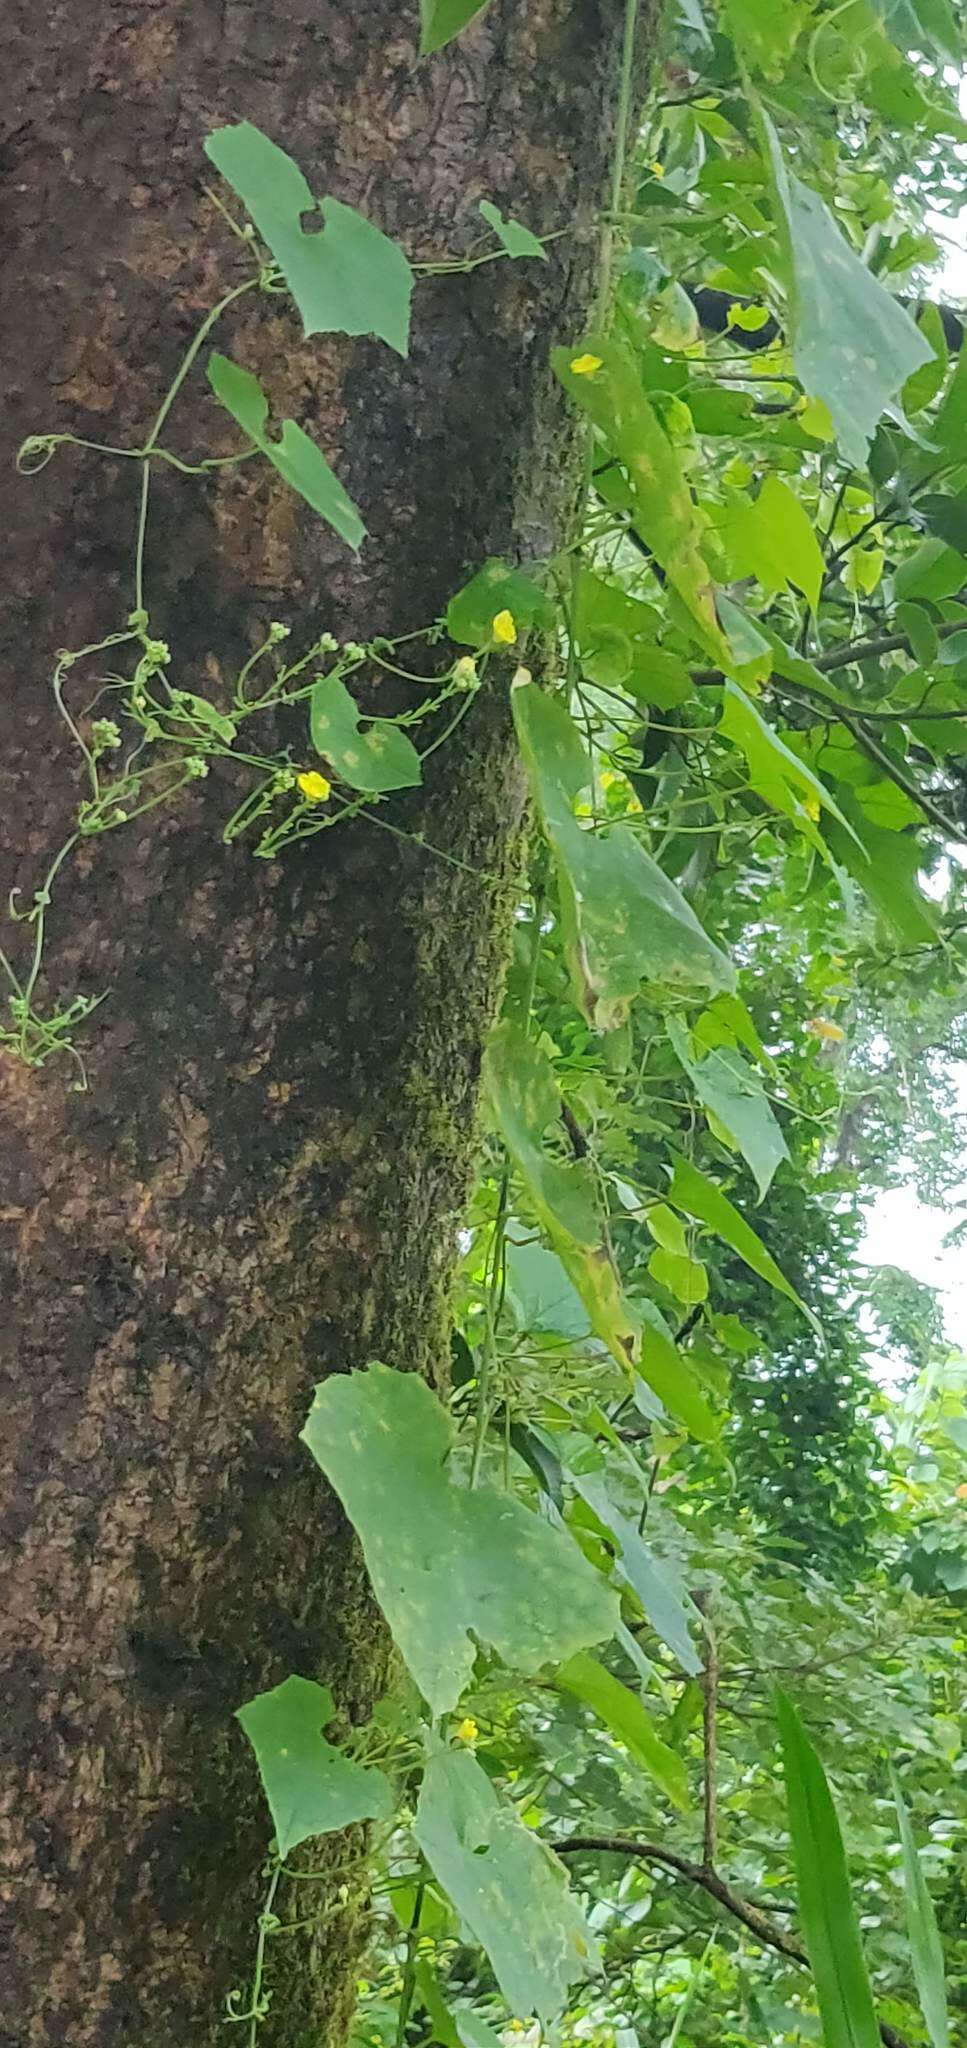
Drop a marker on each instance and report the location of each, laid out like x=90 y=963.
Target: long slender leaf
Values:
x=825 y=1905
x=925 y=1946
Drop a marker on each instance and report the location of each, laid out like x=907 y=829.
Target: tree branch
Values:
x=742 y=1909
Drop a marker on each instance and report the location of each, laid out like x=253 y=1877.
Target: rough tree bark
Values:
x=262 y=1183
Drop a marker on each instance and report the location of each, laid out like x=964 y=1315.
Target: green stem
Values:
x=409 y=1970
x=619 y=158
x=164 y=409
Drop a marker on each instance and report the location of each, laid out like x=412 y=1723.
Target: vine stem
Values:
x=197 y=343
x=409 y=1968
x=619 y=157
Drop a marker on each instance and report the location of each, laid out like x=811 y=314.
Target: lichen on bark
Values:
x=263 y=1183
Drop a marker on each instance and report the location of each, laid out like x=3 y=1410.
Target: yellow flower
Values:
x=585 y=366
x=822 y=1027
x=314 y=786
x=657 y=170
x=810 y=805
x=467 y=1730
x=503 y=629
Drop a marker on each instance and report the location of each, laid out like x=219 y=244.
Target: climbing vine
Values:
x=744 y=758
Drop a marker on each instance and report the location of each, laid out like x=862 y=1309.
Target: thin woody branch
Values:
x=742 y=1909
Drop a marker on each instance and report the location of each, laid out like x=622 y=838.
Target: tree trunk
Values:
x=262 y=1183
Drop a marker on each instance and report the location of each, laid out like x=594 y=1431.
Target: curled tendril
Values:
x=35 y=452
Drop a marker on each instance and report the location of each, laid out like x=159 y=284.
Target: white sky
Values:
x=902 y=1231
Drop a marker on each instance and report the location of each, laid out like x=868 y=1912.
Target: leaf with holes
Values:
x=311 y=1788
x=294 y=455
x=445 y=1559
x=347 y=277
x=507 y=1886
x=375 y=758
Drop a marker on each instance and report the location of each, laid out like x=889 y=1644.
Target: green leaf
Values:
x=348 y=279
x=310 y=1787
x=445 y=1559
x=699 y=1197
x=683 y=1276
x=825 y=1906
x=523 y=1095
x=933 y=571
x=381 y=757
x=541 y=1292
x=497 y=588
x=750 y=650
x=886 y=865
x=764 y=36
x=473 y=2031
x=664 y=513
x=623 y=920
x=921 y=389
x=946 y=517
x=511 y=234
x=775 y=772
x=296 y=458
x=441 y=20
x=925 y=1944
x=452 y=2027
x=732 y=1093
x=667 y=1372
x=771 y=537
x=853 y=344
x=621 y=1710
x=920 y=24
x=651 y=1578
x=614 y=635
x=506 y=1885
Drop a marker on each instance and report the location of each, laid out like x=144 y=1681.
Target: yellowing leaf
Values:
x=664 y=512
